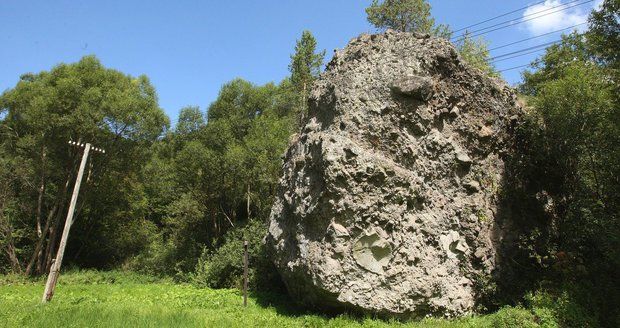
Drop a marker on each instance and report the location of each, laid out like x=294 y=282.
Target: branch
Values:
x=226 y=215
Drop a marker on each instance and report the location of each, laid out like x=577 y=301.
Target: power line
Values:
x=513 y=68
x=523 y=50
x=522 y=19
x=499 y=16
x=511 y=23
x=519 y=55
x=535 y=37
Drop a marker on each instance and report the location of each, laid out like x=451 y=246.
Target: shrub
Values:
x=514 y=317
x=157 y=259
x=564 y=308
x=223 y=268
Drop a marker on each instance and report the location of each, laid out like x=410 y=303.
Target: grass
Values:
x=113 y=299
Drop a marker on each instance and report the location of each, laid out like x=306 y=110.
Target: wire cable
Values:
x=544 y=45
x=536 y=37
x=565 y=5
x=499 y=16
x=515 y=56
x=513 y=68
x=511 y=23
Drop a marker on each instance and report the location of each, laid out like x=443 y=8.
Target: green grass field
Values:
x=112 y=299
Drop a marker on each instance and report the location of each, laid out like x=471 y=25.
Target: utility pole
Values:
x=50 y=285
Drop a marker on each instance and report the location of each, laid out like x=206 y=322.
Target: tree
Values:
x=476 y=53
x=572 y=149
x=603 y=39
x=305 y=67
x=405 y=16
x=604 y=33
x=552 y=65
x=84 y=102
x=190 y=121
x=9 y=180
x=216 y=175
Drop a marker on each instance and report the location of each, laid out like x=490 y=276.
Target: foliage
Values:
x=475 y=52
x=569 y=165
x=208 y=177
x=158 y=197
x=604 y=34
x=565 y=308
x=405 y=16
x=120 y=299
x=224 y=267
x=305 y=67
x=84 y=102
x=191 y=120
x=552 y=65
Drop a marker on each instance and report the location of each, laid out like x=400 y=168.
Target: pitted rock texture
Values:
x=389 y=199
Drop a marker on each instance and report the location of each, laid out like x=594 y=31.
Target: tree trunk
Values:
x=40 y=206
x=41 y=193
x=6 y=232
x=213 y=214
x=46 y=262
x=15 y=266
x=10 y=250
x=248 y=204
x=37 y=255
x=51 y=243
x=215 y=232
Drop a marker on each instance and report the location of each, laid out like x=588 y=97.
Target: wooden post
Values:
x=52 y=278
x=245 y=273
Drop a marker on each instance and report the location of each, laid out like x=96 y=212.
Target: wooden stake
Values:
x=245 y=273
x=52 y=278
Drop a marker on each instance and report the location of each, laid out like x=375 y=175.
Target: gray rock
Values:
x=419 y=87
x=472 y=185
x=485 y=132
x=463 y=158
x=372 y=252
x=371 y=214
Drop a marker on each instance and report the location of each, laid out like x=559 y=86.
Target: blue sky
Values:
x=190 y=48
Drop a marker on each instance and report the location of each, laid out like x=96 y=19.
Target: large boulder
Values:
x=389 y=199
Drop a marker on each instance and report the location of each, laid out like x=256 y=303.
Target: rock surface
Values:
x=388 y=203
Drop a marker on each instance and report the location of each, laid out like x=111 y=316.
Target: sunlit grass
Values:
x=94 y=299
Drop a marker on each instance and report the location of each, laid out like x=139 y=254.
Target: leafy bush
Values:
x=512 y=317
x=157 y=259
x=224 y=267
x=567 y=306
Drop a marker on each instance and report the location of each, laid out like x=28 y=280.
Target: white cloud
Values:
x=598 y=4
x=545 y=18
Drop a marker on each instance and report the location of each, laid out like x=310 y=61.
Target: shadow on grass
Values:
x=284 y=305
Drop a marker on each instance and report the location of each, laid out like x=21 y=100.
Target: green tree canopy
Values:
x=572 y=155
x=216 y=175
x=305 y=67
x=405 y=16
x=190 y=121
x=475 y=52
x=84 y=102
x=604 y=33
